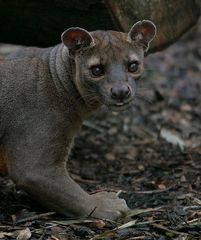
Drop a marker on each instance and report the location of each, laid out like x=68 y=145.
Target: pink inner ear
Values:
x=75 y=38
x=147 y=30
x=74 y=35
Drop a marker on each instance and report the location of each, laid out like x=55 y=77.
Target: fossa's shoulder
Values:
x=29 y=52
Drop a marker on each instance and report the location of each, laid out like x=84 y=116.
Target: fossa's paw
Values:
x=109 y=205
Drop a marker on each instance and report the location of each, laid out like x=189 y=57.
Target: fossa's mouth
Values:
x=119 y=106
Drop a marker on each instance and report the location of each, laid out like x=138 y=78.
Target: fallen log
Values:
x=40 y=23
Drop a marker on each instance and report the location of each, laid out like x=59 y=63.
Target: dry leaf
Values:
x=5 y=234
x=53 y=238
x=24 y=234
x=161 y=186
x=172 y=137
x=99 y=224
x=110 y=156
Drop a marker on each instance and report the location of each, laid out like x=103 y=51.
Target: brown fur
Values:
x=45 y=95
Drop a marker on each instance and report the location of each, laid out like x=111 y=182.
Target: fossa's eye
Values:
x=133 y=66
x=97 y=71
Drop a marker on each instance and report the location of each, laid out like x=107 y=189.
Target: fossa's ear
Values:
x=142 y=33
x=76 y=38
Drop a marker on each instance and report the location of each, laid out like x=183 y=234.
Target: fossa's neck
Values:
x=62 y=69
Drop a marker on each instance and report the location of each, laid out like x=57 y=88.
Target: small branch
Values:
x=35 y=217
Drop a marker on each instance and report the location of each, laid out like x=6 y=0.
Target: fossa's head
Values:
x=107 y=64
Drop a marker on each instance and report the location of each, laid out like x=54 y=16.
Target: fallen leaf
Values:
x=24 y=234
x=172 y=137
x=161 y=186
x=99 y=224
x=110 y=156
x=52 y=238
x=5 y=234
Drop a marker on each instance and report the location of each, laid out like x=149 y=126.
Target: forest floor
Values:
x=152 y=152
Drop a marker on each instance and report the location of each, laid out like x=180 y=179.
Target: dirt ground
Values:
x=151 y=152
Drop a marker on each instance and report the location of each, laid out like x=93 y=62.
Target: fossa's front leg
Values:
x=36 y=164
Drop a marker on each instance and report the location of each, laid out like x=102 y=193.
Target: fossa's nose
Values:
x=120 y=92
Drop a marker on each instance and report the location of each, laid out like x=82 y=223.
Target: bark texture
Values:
x=172 y=17
x=41 y=22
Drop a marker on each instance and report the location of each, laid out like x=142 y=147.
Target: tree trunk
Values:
x=172 y=17
x=41 y=22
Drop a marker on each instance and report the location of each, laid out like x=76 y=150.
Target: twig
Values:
x=154 y=191
x=93 y=126
x=137 y=238
x=43 y=234
x=35 y=217
x=193 y=207
x=196 y=192
x=81 y=180
x=193 y=221
x=167 y=230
